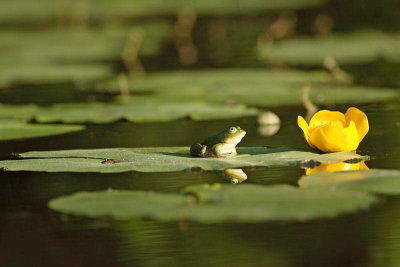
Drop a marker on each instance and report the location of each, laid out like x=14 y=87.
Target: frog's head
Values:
x=233 y=135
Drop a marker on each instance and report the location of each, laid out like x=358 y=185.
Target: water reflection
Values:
x=268 y=124
x=235 y=176
x=269 y=130
x=339 y=166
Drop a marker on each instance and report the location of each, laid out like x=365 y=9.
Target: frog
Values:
x=221 y=145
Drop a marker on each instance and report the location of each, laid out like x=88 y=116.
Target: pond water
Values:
x=32 y=235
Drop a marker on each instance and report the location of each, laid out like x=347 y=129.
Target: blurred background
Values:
x=74 y=42
x=138 y=73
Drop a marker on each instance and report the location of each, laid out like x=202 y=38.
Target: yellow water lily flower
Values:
x=339 y=166
x=333 y=131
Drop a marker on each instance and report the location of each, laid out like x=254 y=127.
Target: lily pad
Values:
x=161 y=159
x=10 y=130
x=46 y=73
x=215 y=79
x=346 y=48
x=253 y=87
x=373 y=181
x=217 y=7
x=215 y=204
x=68 y=55
x=28 y=11
x=71 y=44
x=139 y=110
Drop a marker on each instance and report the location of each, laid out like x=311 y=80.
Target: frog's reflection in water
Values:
x=235 y=176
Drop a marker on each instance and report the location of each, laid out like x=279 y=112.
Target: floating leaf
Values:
x=347 y=48
x=27 y=11
x=42 y=73
x=251 y=87
x=10 y=130
x=216 y=203
x=65 y=55
x=374 y=181
x=215 y=79
x=216 y=7
x=160 y=159
x=142 y=110
x=71 y=44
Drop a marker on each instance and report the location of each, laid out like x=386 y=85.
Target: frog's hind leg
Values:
x=198 y=150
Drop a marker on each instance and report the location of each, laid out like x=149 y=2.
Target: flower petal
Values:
x=323 y=117
x=360 y=119
x=331 y=138
x=363 y=166
x=301 y=122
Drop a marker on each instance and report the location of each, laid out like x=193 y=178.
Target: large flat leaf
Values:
x=216 y=203
x=253 y=87
x=27 y=11
x=348 y=48
x=160 y=159
x=215 y=7
x=200 y=80
x=10 y=130
x=142 y=110
x=65 y=55
x=374 y=181
x=46 y=73
x=71 y=44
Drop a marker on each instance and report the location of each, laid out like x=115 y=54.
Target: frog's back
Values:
x=213 y=140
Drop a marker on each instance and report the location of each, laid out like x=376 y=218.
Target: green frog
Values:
x=222 y=145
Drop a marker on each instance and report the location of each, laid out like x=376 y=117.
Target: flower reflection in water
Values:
x=339 y=166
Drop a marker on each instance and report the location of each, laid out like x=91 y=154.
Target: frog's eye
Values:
x=232 y=130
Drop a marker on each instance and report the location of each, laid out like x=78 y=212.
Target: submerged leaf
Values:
x=216 y=203
x=161 y=159
x=373 y=181
x=10 y=130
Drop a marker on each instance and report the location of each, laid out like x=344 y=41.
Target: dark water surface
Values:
x=32 y=235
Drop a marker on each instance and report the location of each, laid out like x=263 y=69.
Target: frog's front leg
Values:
x=198 y=150
x=224 y=150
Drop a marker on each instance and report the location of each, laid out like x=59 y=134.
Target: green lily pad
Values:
x=140 y=110
x=373 y=181
x=161 y=159
x=215 y=204
x=46 y=73
x=346 y=48
x=10 y=130
x=221 y=79
x=216 y=7
x=71 y=44
x=253 y=87
x=28 y=11
x=68 y=55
